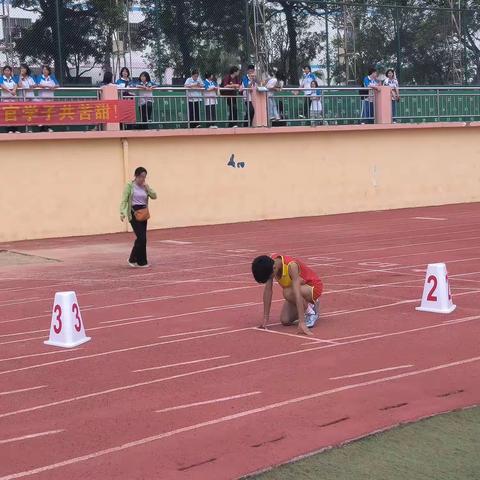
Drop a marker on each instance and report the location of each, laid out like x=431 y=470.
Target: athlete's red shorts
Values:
x=317 y=289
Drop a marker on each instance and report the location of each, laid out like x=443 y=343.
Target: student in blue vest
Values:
x=124 y=80
x=46 y=83
x=210 y=98
x=371 y=82
x=194 y=88
x=305 y=82
x=26 y=84
x=145 y=99
x=248 y=84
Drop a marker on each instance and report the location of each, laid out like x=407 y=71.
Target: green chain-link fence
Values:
x=429 y=42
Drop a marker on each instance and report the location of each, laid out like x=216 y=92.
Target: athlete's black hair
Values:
x=262 y=268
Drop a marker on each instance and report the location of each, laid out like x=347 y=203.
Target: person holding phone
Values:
x=134 y=207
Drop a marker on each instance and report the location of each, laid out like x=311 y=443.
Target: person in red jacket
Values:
x=302 y=289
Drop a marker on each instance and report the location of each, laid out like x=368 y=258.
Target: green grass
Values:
x=445 y=447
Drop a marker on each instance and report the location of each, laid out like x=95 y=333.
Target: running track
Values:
x=177 y=382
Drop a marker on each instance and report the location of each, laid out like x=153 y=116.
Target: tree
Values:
x=206 y=34
x=303 y=41
x=69 y=34
x=427 y=42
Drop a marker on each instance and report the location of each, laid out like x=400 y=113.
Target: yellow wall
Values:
x=73 y=186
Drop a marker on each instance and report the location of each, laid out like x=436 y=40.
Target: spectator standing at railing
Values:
x=46 y=83
x=316 y=107
x=195 y=88
x=145 y=101
x=392 y=82
x=230 y=85
x=9 y=91
x=107 y=79
x=124 y=81
x=8 y=85
x=26 y=82
x=273 y=85
x=210 y=95
x=249 y=82
x=305 y=82
x=371 y=82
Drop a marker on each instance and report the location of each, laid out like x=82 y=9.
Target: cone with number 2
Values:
x=437 y=297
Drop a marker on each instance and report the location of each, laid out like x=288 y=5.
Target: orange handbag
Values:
x=142 y=215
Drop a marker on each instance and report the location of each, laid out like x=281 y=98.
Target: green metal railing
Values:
x=169 y=107
x=439 y=104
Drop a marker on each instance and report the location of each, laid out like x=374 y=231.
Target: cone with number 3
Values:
x=67 y=329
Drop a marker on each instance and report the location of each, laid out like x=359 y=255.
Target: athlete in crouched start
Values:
x=301 y=286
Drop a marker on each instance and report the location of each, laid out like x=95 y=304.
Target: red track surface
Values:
x=98 y=416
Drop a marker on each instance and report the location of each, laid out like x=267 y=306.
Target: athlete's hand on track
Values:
x=263 y=325
x=303 y=329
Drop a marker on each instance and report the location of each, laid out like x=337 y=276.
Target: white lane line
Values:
x=228 y=418
x=218 y=367
x=181 y=363
x=81 y=308
x=23 y=333
x=32 y=435
x=174 y=242
x=141 y=318
x=23 y=390
x=394 y=304
x=20 y=357
x=429 y=218
x=325 y=315
x=30 y=339
x=227 y=307
x=151 y=345
x=44 y=316
x=113 y=326
x=336 y=340
x=371 y=372
x=121 y=350
x=207 y=402
x=355 y=336
x=7 y=302
x=193 y=332
x=255 y=286
x=295 y=335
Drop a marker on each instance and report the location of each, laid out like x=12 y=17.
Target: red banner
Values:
x=67 y=113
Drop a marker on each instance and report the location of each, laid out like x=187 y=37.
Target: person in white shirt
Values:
x=249 y=82
x=26 y=83
x=46 y=83
x=145 y=100
x=210 y=95
x=371 y=82
x=9 y=91
x=392 y=82
x=8 y=85
x=316 y=108
x=273 y=85
x=124 y=81
x=305 y=82
x=195 y=88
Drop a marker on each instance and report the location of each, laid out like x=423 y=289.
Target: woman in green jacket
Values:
x=134 y=206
